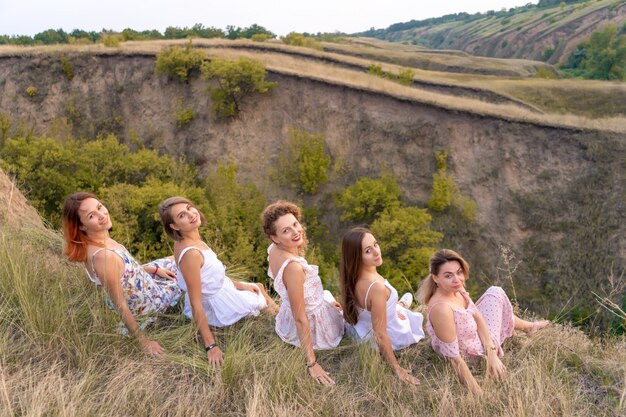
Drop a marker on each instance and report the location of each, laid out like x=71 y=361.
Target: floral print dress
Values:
x=145 y=294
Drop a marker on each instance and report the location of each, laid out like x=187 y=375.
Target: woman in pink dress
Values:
x=461 y=330
x=309 y=316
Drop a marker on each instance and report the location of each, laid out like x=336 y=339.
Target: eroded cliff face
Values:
x=496 y=162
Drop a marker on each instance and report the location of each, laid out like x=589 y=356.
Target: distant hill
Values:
x=548 y=31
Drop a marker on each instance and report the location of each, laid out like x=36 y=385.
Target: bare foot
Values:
x=273 y=308
x=536 y=326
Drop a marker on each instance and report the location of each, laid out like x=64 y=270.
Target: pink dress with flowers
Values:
x=496 y=309
x=325 y=321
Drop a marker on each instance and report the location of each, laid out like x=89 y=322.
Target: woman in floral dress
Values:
x=309 y=316
x=135 y=291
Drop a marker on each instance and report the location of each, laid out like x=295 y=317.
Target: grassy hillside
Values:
x=61 y=356
x=454 y=80
x=530 y=32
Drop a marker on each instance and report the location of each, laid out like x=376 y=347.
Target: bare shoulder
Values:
x=441 y=314
x=191 y=257
x=293 y=269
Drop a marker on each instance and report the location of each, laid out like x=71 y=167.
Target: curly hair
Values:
x=275 y=211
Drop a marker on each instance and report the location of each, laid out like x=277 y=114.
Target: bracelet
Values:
x=211 y=346
x=311 y=365
x=156 y=270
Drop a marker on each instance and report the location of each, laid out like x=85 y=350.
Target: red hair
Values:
x=76 y=240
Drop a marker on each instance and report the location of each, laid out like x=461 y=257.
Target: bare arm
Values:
x=110 y=267
x=378 y=307
x=293 y=278
x=495 y=367
x=442 y=320
x=190 y=267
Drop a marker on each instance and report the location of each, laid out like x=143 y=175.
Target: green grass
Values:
x=60 y=355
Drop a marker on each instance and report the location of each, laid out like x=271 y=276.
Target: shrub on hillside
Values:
x=304 y=162
x=184 y=117
x=31 y=91
x=111 y=41
x=67 y=67
x=601 y=57
x=407 y=242
x=53 y=169
x=364 y=200
x=446 y=192
x=177 y=62
x=404 y=77
x=298 y=39
x=260 y=37
x=235 y=80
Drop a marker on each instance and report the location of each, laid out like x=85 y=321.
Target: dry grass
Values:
x=59 y=355
x=349 y=71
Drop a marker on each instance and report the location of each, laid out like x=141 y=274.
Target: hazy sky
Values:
x=27 y=17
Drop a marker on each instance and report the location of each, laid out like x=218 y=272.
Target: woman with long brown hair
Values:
x=461 y=330
x=370 y=303
x=135 y=291
x=309 y=316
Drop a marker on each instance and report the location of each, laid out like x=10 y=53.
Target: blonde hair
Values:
x=428 y=286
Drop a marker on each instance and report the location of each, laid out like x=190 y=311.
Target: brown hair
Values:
x=275 y=211
x=350 y=266
x=428 y=286
x=76 y=240
x=165 y=212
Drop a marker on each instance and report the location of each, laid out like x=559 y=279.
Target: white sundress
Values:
x=325 y=321
x=223 y=304
x=402 y=332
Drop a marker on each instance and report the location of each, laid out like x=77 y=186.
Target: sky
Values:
x=28 y=17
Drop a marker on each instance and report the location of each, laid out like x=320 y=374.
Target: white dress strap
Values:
x=184 y=251
x=94 y=278
x=367 y=293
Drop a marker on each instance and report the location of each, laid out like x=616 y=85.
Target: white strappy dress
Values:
x=223 y=304
x=325 y=321
x=401 y=332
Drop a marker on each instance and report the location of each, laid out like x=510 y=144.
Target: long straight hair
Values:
x=76 y=240
x=350 y=267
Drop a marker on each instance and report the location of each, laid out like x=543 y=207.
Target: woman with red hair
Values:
x=135 y=291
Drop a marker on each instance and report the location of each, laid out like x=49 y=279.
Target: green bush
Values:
x=407 y=242
x=260 y=37
x=446 y=192
x=111 y=41
x=177 y=62
x=184 y=117
x=67 y=67
x=304 y=162
x=31 y=91
x=235 y=81
x=404 y=77
x=547 y=54
x=299 y=39
x=53 y=169
x=367 y=198
x=545 y=73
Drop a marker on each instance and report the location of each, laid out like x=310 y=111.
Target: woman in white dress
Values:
x=371 y=304
x=211 y=298
x=309 y=316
